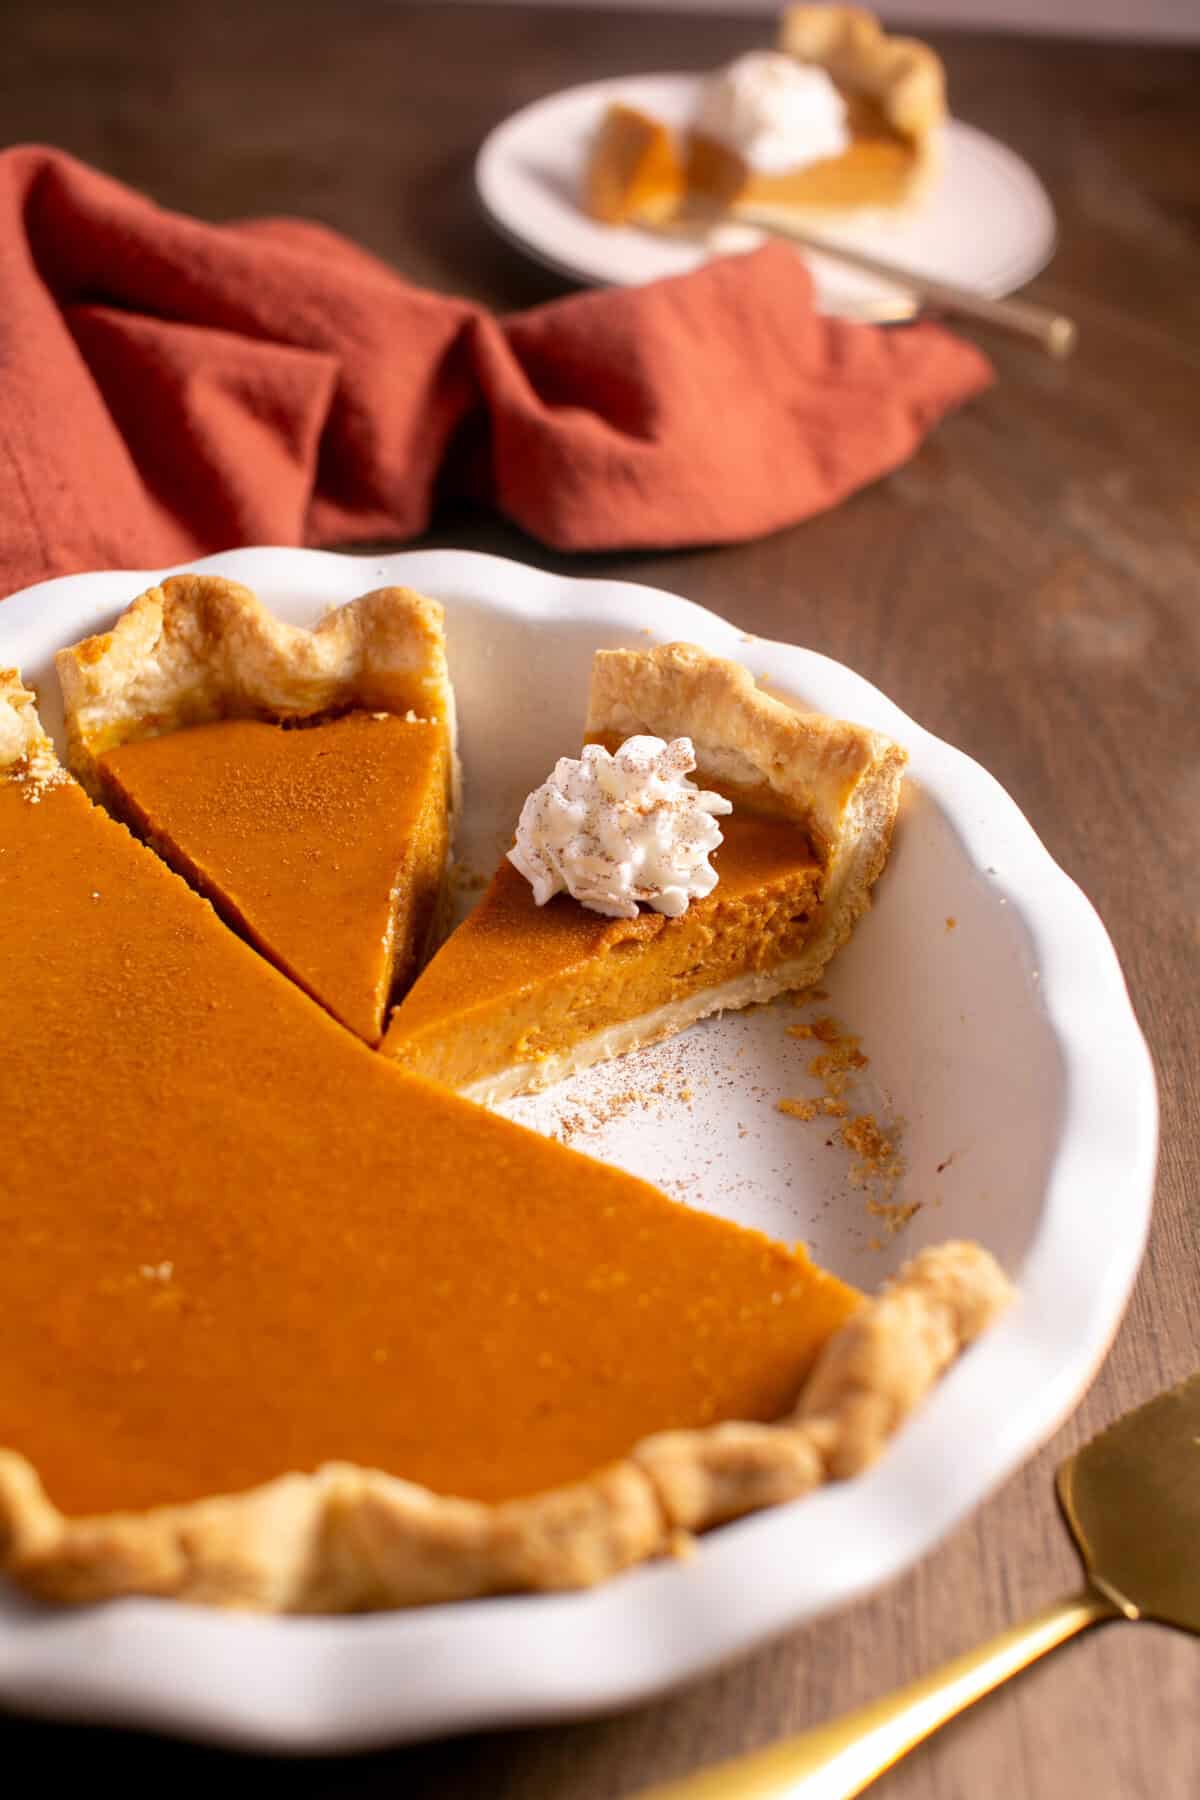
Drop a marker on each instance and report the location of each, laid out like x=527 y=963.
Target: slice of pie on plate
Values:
x=284 y=1328
x=839 y=116
x=635 y=170
x=522 y=995
x=302 y=780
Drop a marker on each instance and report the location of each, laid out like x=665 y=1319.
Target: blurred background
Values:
x=1162 y=19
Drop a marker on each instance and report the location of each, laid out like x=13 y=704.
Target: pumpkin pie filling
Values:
x=240 y=1244
x=520 y=984
x=303 y=781
x=324 y=846
x=635 y=170
x=878 y=168
x=285 y=1327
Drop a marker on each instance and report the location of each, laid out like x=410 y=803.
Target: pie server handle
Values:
x=838 y=1760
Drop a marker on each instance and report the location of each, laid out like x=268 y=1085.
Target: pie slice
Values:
x=893 y=94
x=635 y=171
x=521 y=995
x=282 y=1327
x=302 y=781
x=893 y=91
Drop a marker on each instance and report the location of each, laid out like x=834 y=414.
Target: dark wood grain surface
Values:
x=1027 y=587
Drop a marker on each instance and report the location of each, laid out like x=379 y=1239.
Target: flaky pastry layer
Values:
x=902 y=74
x=199 y=648
x=347 y=1539
x=839 y=781
x=26 y=753
x=829 y=775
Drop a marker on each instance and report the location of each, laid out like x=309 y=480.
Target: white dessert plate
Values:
x=1002 y=1043
x=985 y=223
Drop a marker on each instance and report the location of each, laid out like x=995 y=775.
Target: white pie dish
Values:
x=1006 y=1041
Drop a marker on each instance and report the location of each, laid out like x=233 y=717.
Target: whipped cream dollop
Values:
x=613 y=830
x=775 y=112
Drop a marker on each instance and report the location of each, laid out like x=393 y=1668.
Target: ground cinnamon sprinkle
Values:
x=590 y=1115
x=593 y=1115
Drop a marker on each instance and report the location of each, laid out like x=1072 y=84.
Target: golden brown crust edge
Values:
x=813 y=768
x=347 y=1539
x=904 y=75
x=26 y=753
x=200 y=647
x=840 y=781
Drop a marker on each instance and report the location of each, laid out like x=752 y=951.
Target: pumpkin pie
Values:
x=283 y=1327
x=522 y=995
x=892 y=100
x=635 y=170
x=302 y=781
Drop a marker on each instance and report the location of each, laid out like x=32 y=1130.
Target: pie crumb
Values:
x=894 y=1213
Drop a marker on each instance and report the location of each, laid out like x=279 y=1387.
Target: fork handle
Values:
x=838 y=1760
x=1052 y=331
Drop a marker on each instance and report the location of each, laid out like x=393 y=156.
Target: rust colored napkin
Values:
x=170 y=388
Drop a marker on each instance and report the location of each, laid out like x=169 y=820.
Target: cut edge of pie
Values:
x=635 y=170
x=839 y=782
x=359 y=811
x=349 y=1539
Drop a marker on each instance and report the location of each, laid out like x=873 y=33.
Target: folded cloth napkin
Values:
x=169 y=388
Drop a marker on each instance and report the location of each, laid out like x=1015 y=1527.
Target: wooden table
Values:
x=1027 y=587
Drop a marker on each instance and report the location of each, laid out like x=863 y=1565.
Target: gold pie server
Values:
x=1132 y=1501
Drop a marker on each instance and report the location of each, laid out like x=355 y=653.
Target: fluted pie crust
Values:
x=339 y=1536
x=198 y=648
x=348 y=1539
x=327 y=847
x=903 y=75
